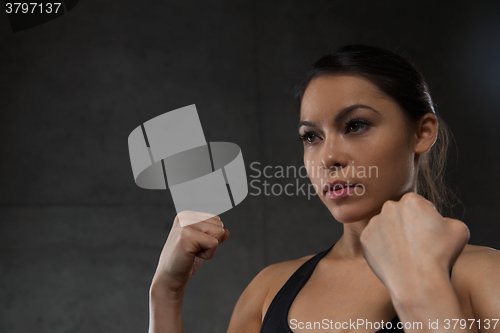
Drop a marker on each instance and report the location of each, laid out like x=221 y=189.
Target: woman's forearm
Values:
x=432 y=302
x=165 y=310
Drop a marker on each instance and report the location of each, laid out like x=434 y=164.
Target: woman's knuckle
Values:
x=183 y=214
x=412 y=198
x=464 y=230
x=388 y=204
x=187 y=232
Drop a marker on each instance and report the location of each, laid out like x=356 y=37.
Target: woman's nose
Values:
x=333 y=156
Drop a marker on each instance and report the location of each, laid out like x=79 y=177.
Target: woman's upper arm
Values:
x=247 y=314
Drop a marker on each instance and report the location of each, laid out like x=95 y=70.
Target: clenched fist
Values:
x=194 y=237
x=409 y=239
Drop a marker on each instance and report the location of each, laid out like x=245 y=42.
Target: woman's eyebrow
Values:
x=307 y=123
x=340 y=115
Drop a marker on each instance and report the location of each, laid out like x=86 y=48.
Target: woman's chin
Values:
x=349 y=215
x=354 y=211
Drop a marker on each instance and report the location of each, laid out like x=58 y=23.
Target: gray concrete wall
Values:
x=79 y=241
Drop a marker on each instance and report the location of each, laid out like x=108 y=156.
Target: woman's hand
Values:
x=194 y=237
x=409 y=239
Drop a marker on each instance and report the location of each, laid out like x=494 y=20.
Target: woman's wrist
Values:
x=431 y=299
x=160 y=290
x=422 y=279
x=421 y=293
x=421 y=289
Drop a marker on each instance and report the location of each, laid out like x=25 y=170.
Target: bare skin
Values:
x=396 y=250
x=333 y=280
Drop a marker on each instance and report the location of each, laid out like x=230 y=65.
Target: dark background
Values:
x=79 y=241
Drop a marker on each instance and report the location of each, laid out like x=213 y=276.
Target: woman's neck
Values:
x=349 y=245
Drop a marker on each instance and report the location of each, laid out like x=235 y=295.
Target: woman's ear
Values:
x=426 y=134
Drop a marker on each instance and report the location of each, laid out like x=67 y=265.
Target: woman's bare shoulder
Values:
x=477 y=252
x=475 y=261
x=475 y=278
x=286 y=266
x=469 y=248
x=248 y=312
x=279 y=273
x=276 y=274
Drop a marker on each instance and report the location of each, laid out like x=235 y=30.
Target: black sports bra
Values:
x=276 y=319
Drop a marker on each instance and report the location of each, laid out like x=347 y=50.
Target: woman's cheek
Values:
x=395 y=176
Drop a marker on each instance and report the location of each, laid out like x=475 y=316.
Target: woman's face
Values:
x=355 y=133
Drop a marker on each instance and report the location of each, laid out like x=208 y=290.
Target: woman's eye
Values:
x=308 y=137
x=356 y=125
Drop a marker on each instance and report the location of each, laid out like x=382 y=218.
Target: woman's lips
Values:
x=339 y=189
x=341 y=192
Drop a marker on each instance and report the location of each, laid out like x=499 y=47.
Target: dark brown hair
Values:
x=397 y=78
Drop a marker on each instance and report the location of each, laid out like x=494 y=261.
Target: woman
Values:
x=361 y=108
